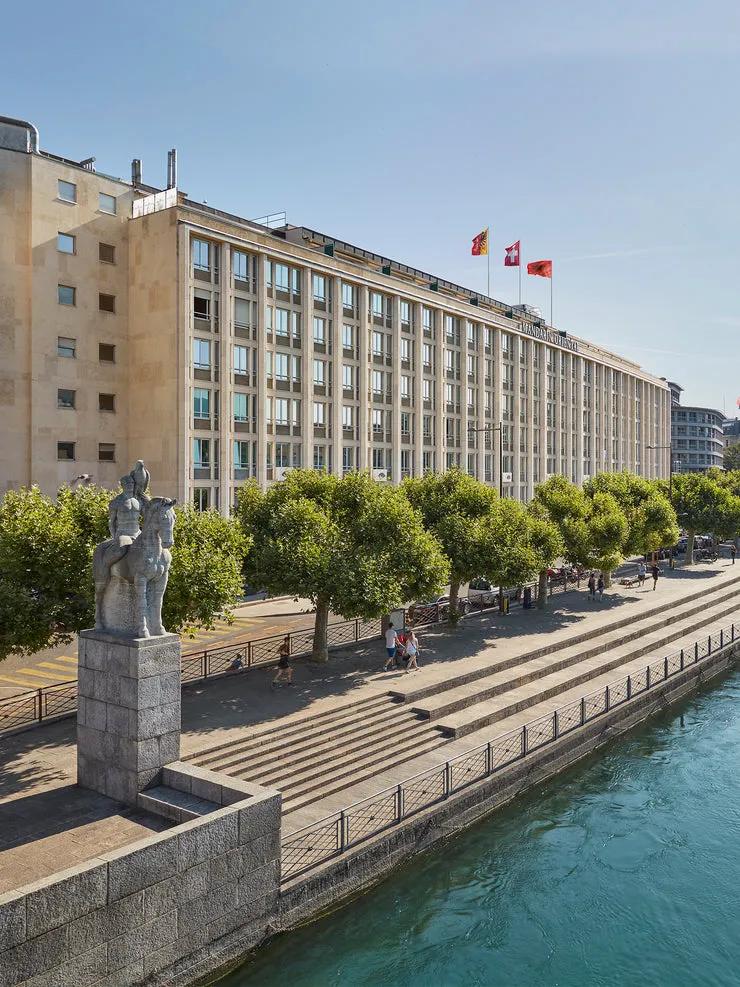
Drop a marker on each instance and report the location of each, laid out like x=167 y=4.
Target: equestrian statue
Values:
x=131 y=567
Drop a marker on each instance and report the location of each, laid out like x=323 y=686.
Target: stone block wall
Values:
x=137 y=914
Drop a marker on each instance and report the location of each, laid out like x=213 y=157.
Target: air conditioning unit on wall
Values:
x=380 y=475
x=282 y=471
x=507 y=477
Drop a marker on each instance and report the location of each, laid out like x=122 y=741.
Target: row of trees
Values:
x=352 y=546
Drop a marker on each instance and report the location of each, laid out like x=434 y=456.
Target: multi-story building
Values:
x=137 y=323
x=731 y=432
x=697 y=440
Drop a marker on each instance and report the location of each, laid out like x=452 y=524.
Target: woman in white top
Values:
x=412 y=650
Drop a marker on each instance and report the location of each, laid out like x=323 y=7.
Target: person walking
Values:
x=655 y=572
x=284 y=672
x=412 y=650
x=641 y=573
x=592 y=586
x=600 y=586
x=391 y=640
x=733 y=552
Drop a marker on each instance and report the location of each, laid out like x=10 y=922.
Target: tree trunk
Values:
x=542 y=590
x=454 y=595
x=320 y=651
x=607 y=578
x=690 y=535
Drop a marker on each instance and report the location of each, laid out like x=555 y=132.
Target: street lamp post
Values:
x=500 y=429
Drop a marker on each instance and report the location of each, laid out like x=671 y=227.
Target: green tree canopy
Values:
x=702 y=504
x=46 y=585
x=651 y=520
x=518 y=544
x=565 y=506
x=731 y=458
x=453 y=507
x=350 y=545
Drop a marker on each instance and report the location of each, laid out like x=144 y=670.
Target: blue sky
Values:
x=602 y=134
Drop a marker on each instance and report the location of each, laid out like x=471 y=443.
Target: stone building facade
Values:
x=260 y=349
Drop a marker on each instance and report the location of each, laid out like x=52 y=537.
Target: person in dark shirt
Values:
x=285 y=672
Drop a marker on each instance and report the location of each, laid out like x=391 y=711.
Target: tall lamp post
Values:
x=500 y=429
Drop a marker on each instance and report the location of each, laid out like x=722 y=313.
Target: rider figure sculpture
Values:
x=124 y=512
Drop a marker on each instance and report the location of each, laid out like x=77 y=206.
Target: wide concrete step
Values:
x=478 y=667
x=492 y=710
x=505 y=676
x=169 y=803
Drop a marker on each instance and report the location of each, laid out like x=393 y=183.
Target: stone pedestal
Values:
x=128 y=716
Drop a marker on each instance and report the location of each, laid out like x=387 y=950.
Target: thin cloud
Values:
x=630 y=252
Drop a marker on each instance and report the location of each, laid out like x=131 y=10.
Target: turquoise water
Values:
x=623 y=871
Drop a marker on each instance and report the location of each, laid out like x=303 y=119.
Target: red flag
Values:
x=511 y=259
x=480 y=244
x=541 y=267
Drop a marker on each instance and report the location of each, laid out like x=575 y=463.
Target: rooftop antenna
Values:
x=172 y=168
x=136 y=171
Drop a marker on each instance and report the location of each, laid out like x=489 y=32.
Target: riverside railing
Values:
x=334 y=835
x=59 y=700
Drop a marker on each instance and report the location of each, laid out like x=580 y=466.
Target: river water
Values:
x=625 y=870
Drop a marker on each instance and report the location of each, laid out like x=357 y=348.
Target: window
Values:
x=348 y=296
x=347 y=377
x=65 y=398
x=295 y=277
x=377 y=344
x=348 y=459
x=348 y=417
x=348 y=336
x=319 y=330
x=405 y=350
x=405 y=423
x=67 y=192
x=405 y=312
x=319 y=372
x=202 y=354
x=241 y=454
x=281 y=321
x=66 y=295
x=241 y=312
x=281 y=366
x=319 y=287
x=405 y=386
x=427 y=355
x=201 y=255
x=106 y=253
x=66 y=243
x=66 y=347
x=377 y=382
x=241 y=360
x=426 y=387
x=106 y=402
x=107 y=203
x=201 y=453
x=201 y=403
x=240 y=265
x=377 y=420
x=376 y=303
x=66 y=450
x=281 y=277
x=319 y=457
x=106 y=353
x=282 y=411
x=200 y=498
x=426 y=318
x=106 y=452
x=202 y=307
x=319 y=409
x=107 y=303
x=241 y=413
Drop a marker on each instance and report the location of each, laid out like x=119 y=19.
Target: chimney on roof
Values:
x=172 y=168
x=136 y=171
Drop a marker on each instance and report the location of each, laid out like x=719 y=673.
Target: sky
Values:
x=603 y=135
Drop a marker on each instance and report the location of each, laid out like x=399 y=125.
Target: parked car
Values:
x=481 y=592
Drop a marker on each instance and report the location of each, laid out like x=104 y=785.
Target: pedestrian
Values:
x=655 y=572
x=391 y=639
x=641 y=573
x=592 y=586
x=600 y=586
x=733 y=552
x=412 y=650
x=284 y=672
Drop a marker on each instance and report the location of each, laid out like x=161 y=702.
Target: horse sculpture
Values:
x=142 y=562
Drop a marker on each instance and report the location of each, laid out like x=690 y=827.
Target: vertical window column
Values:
x=307 y=386
x=261 y=373
x=225 y=464
x=558 y=420
x=418 y=405
x=569 y=447
x=439 y=390
x=498 y=400
x=362 y=375
x=480 y=409
x=336 y=315
x=396 y=389
x=529 y=424
x=467 y=440
x=578 y=452
x=515 y=425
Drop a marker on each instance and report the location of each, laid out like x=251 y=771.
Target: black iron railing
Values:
x=341 y=831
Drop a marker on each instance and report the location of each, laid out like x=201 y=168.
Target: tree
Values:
x=731 y=458
x=651 y=520
x=518 y=543
x=46 y=585
x=352 y=546
x=453 y=506
x=700 y=502
x=565 y=506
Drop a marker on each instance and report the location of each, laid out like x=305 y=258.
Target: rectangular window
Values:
x=66 y=295
x=201 y=403
x=241 y=454
x=241 y=360
x=319 y=457
x=66 y=450
x=66 y=191
x=426 y=318
x=200 y=498
x=282 y=411
x=201 y=255
x=427 y=355
x=66 y=243
x=405 y=386
x=405 y=423
x=66 y=347
x=377 y=420
x=376 y=303
x=377 y=344
x=348 y=336
x=348 y=416
x=241 y=411
x=106 y=402
x=201 y=453
x=65 y=398
x=281 y=321
x=319 y=409
x=348 y=458
x=319 y=330
x=426 y=386
x=347 y=377
x=241 y=312
x=106 y=452
x=201 y=354
x=348 y=296
x=202 y=306
x=405 y=313
x=240 y=265
x=405 y=350
x=282 y=277
x=106 y=253
x=295 y=277
x=107 y=203
x=106 y=353
x=281 y=366
x=319 y=372
x=319 y=287
x=377 y=382
x=106 y=303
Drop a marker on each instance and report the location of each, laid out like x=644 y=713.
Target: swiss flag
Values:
x=541 y=267
x=511 y=258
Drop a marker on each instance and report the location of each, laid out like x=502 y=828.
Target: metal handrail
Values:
x=311 y=846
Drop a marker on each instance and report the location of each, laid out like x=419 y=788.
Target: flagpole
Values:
x=488 y=258
x=551 y=322
x=520 y=272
